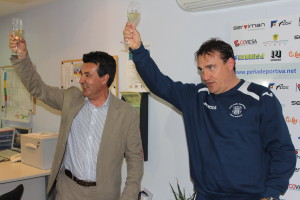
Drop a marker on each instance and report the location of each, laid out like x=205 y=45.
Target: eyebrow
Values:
x=207 y=66
x=85 y=73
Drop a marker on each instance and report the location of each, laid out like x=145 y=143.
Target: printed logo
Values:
x=282 y=87
x=271 y=85
x=250 y=27
x=295 y=103
x=294 y=187
x=250 y=57
x=238 y=43
x=284 y=23
x=295 y=54
x=291 y=120
x=237 y=110
x=275 y=41
x=276 y=55
x=297 y=87
x=274 y=23
x=297 y=153
x=210 y=107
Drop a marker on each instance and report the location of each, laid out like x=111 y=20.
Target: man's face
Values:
x=92 y=85
x=216 y=74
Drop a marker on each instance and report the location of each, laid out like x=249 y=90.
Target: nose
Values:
x=205 y=75
x=82 y=79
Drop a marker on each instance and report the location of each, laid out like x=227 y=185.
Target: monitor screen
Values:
x=16 y=145
x=6 y=138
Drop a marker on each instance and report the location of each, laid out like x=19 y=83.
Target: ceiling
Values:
x=9 y=7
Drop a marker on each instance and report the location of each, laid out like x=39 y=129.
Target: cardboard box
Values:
x=37 y=149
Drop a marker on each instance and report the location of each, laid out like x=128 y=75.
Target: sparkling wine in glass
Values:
x=133 y=13
x=17 y=31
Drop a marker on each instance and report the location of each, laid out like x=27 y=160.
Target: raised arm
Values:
x=159 y=84
x=52 y=96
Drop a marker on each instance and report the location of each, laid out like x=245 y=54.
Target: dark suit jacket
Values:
x=121 y=135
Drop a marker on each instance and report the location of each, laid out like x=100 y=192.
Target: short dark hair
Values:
x=216 y=45
x=106 y=64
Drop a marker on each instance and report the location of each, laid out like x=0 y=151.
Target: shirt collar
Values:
x=106 y=104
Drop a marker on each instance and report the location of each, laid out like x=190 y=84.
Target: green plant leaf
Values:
x=180 y=195
x=179 y=192
x=174 y=193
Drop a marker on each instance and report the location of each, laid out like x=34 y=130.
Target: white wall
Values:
x=65 y=29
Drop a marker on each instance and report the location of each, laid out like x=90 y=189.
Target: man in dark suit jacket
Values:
x=97 y=130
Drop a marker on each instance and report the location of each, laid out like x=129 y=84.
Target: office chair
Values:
x=15 y=194
x=142 y=196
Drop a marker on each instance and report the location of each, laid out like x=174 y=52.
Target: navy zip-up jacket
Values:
x=239 y=144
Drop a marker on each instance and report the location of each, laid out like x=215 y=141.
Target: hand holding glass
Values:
x=17 y=31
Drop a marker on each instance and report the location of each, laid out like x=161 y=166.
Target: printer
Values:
x=37 y=149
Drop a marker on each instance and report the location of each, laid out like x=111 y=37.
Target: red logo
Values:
x=294 y=187
x=294 y=54
x=291 y=120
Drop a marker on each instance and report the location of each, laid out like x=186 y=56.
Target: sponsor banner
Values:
x=267 y=52
x=267 y=40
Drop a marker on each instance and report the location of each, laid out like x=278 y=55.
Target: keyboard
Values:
x=7 y=153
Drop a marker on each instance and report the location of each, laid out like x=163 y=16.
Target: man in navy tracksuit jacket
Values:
x=239 y=144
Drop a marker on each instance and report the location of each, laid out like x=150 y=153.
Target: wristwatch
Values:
x=271 y=198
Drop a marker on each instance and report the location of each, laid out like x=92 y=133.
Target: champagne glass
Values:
x=17 y=31
x=133 y=13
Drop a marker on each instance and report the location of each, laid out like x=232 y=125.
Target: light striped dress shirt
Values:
x=84 y=140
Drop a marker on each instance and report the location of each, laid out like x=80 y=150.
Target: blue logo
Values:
x=271 y=85
x=273 y=23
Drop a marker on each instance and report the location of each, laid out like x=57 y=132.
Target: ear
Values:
x=230 y=63
x=105 y=79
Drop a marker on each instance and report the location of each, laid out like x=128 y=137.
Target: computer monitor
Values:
x=16 y=143
x=6 y=138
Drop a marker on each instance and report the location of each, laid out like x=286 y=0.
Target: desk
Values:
x=33 y=179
